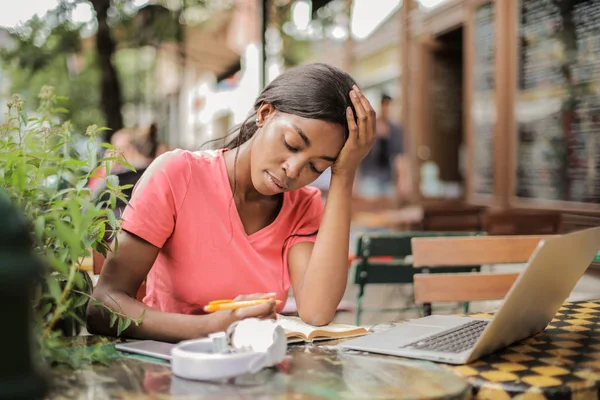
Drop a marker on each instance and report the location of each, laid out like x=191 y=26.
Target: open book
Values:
x=298 y=331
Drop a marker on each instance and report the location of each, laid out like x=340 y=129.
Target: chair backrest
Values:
x=452 y=251
x=396 y=244
x=518 y=222
x=377 y=251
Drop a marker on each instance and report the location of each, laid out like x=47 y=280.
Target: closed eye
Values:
x=295 y=150
x=315 y=170
x=290 y=148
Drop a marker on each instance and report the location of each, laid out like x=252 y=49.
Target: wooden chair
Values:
x=445 y=252
x=521 y=222
x=384 y=257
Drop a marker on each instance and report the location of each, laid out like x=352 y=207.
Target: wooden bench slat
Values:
x=432 y=288
x=480 y=250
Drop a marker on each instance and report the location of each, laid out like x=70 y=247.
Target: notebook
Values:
x=298 y=331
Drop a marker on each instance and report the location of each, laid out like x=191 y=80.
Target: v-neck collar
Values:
x=233 y=211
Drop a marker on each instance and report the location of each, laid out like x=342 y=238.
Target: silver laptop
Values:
x=542 y=287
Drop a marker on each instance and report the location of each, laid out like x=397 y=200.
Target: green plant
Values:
x=45 y=177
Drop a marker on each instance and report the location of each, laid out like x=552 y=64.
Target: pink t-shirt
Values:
x=183 y=205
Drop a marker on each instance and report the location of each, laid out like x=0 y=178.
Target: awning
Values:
x=207 y=47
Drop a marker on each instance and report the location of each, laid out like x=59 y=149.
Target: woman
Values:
x=240 y=221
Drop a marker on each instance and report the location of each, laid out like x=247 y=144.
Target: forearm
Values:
x=324 y=281
x=154 y=324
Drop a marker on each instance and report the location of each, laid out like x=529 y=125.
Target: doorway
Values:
x=442 y=142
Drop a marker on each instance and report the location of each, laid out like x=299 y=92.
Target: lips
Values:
x=275 y=183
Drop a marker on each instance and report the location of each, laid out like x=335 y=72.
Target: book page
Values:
x=338 y=328
x=295 y=324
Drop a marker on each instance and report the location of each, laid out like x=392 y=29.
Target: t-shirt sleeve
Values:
x=308 y=225
x=157 y=198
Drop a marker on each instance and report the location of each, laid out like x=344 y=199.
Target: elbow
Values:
x=93 y=319
x=97 y=321
x=316 y=317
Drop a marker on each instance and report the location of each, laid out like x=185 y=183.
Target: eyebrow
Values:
x=302 y=135
x=307 y=142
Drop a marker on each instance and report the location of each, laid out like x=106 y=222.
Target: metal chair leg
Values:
x=427 y=309
x=359 y=302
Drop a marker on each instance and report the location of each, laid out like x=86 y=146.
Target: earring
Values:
x=257 y=122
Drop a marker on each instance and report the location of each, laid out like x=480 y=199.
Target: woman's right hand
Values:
x=262 y=311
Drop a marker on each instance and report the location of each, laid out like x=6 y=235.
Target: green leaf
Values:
x=78 y=281
x=81 y=301
x=127 y=165
x=70 y=238
x=122 y=197
x=40 y=226
x=103 y=248
x=58 y=265
x=108 y=146
x=112 y=181
x=53 y=287
x=100 y=235
x=116 y=244
x=76 y=318
x=81 y=184
x=123 y=324
x=113 y=319
x=92 y=159
x=61 y=193
x=96 y=303
x=24 y=117
x=45 y=309
x=112 y=220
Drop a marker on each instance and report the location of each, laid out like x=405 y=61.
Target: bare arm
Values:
x=319 y=271
x=123 y=273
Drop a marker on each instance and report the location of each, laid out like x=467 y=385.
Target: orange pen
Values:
x=219 y=305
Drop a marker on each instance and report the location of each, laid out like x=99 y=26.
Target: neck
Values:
x=239 y=169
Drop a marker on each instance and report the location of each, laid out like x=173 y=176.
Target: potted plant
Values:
x=45 y=176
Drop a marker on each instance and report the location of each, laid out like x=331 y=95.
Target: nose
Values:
x=292 y=168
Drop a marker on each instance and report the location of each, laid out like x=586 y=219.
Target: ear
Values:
x=264 y=113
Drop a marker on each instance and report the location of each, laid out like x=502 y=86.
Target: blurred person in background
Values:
x=377 y=173
x=139 y=147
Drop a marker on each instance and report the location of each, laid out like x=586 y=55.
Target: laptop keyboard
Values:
x=456 y=340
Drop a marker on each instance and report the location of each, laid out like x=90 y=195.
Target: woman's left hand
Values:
x=361 y=137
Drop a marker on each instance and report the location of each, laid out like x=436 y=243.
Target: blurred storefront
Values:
x=504 y=99
x=497 y=98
